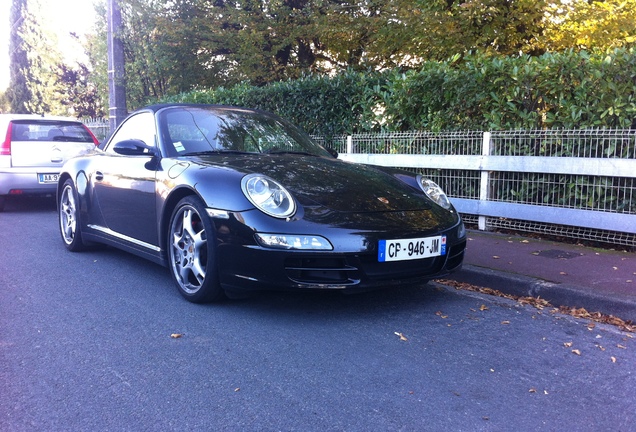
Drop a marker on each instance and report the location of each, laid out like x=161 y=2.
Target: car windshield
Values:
x=42 y=130
x=195 y=130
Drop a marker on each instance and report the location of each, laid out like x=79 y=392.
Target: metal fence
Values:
x=572 y=183
x=99 y=127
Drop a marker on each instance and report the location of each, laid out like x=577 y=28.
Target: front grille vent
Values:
x=321 y=271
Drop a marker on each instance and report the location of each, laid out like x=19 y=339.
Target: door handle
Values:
x=99 y=176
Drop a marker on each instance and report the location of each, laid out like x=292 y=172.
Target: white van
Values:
x=33 y=148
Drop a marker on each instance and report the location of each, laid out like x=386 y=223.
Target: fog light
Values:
x=300 y=242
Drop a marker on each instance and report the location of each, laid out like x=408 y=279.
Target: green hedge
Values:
x=565 y=90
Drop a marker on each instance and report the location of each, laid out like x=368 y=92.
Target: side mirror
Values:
x=332 y=152
x=134 y=147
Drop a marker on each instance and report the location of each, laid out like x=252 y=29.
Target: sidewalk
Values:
x=598 y=280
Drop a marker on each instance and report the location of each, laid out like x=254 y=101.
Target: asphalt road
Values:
x=85 y=345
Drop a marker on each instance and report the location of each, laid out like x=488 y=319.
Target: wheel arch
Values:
x=60 y=185
x=166 y=213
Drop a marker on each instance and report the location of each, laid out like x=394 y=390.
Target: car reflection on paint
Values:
x=233 y=200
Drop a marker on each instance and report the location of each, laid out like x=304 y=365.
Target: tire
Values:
x=69 y=218
x=192 y=253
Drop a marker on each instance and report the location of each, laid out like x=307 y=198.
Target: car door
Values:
x=124 y=186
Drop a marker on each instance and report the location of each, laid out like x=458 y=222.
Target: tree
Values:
x=78 y=93
x=583 y=24
x=174 y=46
x=18 y=92
x=43 y=59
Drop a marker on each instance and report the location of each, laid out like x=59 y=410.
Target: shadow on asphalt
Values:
x=30 y=204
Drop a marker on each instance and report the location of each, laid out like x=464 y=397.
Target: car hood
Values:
x=331 y=183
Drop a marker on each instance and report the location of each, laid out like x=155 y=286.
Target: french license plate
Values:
x=48 y=178
x=410 y=249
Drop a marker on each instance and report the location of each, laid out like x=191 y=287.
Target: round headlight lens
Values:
x=268 y=196
x=434 y=192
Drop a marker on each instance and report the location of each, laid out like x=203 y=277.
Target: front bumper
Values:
x=245 y=265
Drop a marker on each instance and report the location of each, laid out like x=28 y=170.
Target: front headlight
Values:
x=268 y=196
x=434 y=192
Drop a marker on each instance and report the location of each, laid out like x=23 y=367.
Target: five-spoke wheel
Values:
x=69 y=218
x=191 y=252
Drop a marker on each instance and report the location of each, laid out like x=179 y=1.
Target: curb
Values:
x=623 y=307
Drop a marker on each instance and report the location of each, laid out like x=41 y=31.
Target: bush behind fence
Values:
x=570 y=90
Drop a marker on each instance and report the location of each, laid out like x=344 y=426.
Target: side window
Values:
x=140 y=126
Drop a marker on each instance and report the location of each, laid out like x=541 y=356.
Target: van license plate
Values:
x=48 y=178
x=410 y=249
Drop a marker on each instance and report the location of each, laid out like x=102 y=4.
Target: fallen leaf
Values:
x=540 y=303
x=563 y=273
x=505 y=322
x=532 y=390
x=613 y=359
x=590 y=326
x=237 y=389
x=602 y=348
x=525 y=241
x=567 y=344
x=176 y=335
x=621 y=346
x=577 y=352
x=402 y=337
x=496 y=257
x=545 y=392
x=483 y=307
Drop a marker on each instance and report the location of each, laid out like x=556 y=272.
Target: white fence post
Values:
x=484 y=184
x=349 y=144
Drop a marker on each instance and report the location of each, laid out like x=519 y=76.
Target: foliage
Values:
x=18 y=93
x=311 y=101
x=43 y=58
x=583 y=24
x=40 y=81
x=173 y=46
x=5 y=106
x=568 y=90
x=79 y=94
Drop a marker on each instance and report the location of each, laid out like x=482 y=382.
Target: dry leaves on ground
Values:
x=541 y=304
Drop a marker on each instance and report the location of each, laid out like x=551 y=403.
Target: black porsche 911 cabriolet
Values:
x=234 y=199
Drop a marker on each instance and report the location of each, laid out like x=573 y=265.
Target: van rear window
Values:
x=29 y=130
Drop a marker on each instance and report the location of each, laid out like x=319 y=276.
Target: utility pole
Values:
x=117 y=110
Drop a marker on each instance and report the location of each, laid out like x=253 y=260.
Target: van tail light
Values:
x=5 y=147
x=95 y=141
